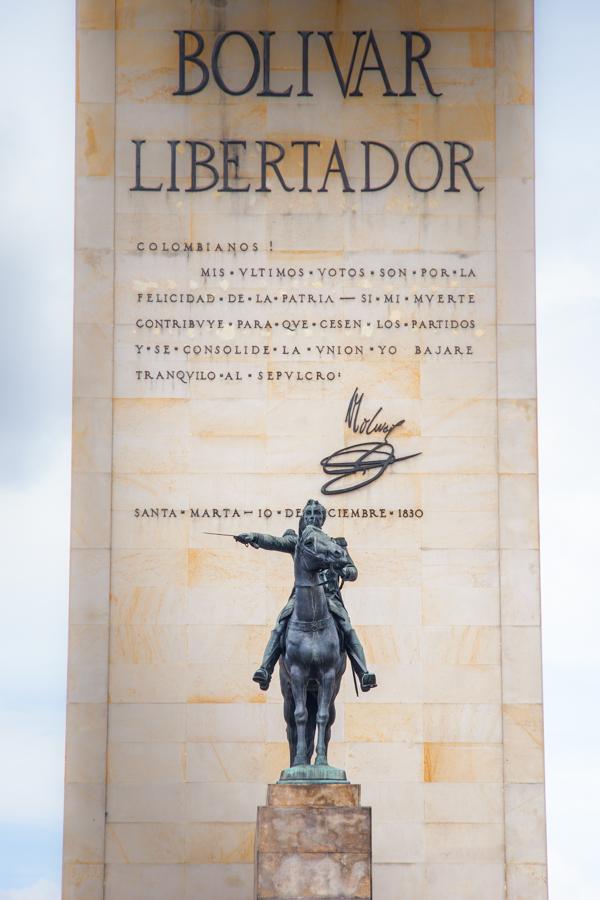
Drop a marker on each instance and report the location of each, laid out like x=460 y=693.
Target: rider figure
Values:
x=312 y=514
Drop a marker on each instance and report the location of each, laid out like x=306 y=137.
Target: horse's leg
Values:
x=311 y=724
x=298 y=680
x=332 y=710
x=288 y=713
x=330 y=721
x=326 y=689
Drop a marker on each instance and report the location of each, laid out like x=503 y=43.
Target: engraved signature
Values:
x=370 y=458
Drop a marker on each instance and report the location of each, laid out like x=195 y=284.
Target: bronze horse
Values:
x=313 y=662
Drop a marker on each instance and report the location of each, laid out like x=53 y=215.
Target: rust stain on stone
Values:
x=214 y=698
x=481 y=45
x=91 y=144
x=428 y=763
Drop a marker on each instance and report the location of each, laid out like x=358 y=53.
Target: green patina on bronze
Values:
x=313 y=775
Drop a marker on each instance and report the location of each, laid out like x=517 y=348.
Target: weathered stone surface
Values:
x=313 y=795
x=320 y=830
x=331 y=876
x=313 y=841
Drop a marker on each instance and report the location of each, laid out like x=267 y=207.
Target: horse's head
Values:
x=318 y=551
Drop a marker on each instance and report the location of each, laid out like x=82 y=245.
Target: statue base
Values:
x=313 y=840
x=313 y=775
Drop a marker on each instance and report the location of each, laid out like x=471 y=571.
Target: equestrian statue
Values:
x=312 y=636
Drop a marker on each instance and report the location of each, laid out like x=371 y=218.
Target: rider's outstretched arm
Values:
x=284 y=544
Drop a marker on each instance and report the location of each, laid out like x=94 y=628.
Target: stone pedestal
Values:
x=313 y=840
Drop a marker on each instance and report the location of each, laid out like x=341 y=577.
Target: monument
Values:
x=304 y=269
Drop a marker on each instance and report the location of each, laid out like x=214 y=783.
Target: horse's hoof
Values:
x=302 y=761
x=321 y=761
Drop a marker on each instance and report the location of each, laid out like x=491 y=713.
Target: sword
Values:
x=234 y=536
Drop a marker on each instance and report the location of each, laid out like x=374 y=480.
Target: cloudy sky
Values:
x=36 y=154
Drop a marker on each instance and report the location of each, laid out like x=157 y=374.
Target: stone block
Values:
x=299 y=795
x=313 y=841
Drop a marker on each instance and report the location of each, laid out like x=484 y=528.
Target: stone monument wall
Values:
x=221 y=331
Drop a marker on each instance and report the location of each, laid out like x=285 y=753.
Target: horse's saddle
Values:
x=286 y=621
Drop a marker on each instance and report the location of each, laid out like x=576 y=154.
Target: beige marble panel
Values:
x=144 y=882
x=231 y=881
x=95 y=63
x=514 y=141
x=92 y=422
x=87 y=676
x=462 y=763
x=149 y=843
x=383 y=722
x=89 y=586
x=514 y=15
x=84 y=824
x=461 y=646
x=454 y=418
x=527 y=882
x=214 y=762
x=523 y=743
x=519 y=527
x=520 y=578
x=464 y=802
x=92 y=360
x=461 y=684
x=136 y=803
x=517 y=438
x=226 y=722
x=95 y=14
x=392 y=763
x=525 y=823
x=515 y=202
x=148 y=644
x=146 y=763
x=514 y=66
x=460 y=587
x=94 y=211
x=225 y=802
x=81 y=881
x=90 y=504
x=404 y=804
x=147 y=722
x=521 y=665
x=516 y=283
x=94 y=286
x=95 y=139
x=467 y=15
x=447 y=381
x=462 y=723
x=457 y=881
x=395 y=882
x=86 y=748
x=231 y=842
x=398 y=842
x=516 y=362
x=139 y=683
x=460 y=843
